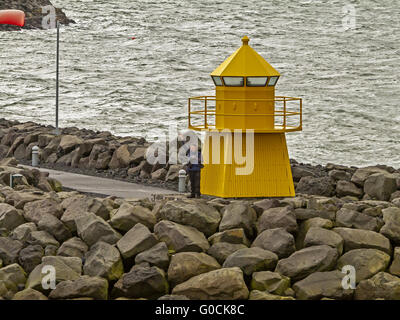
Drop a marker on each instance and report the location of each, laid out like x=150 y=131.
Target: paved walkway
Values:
x=108 y=187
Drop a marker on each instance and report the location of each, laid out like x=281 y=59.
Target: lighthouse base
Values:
x=269 y=175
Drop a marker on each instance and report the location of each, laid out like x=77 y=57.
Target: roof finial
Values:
x=245 y=40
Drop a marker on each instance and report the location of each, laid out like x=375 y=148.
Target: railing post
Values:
x=189 y=113
x=284 y=113
x=301 y=113
x=205 y=113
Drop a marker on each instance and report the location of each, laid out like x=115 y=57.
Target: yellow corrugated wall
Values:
x=271 y=176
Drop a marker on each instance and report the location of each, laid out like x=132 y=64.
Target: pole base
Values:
x=57 y=132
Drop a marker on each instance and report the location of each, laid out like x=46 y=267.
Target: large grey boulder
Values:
x=298 y=172
x=320 y=236
x=30 y=257
x=395 y=266
x=234 y=236
x=91 y=229
x=391 y=228
x=325 y=206
x=251 y=260
x=222 y=250
x=87 y=145
x=354 y=219
x=123 y=156
x=199 y=215
x=159 y=174
x=103 y=260
x=23 y=231
x=73 y=247
x=305 y=213
x=270 y=281
x=142 y=282
x=320 y=285
x=322 y=186
x=48 y=145
x=307 y=225
x=173 y=172
x=239 y=215
x=221 y=284
x=55 y=227
x=265 y=204
x=69 y=143
x=83 y=287
x=367 y=262
x=66 y=160
x=42 y=238
x=362 y=174
x=78 y=205
x=128 y=215
x=276 y=240
x=281 y=217
x=136 y=240
x=381 y=286
x=156 y=256
x=29 y=294
x=380 y=186
x=10 y=218
x=12 y=277
x=340 y=175
x=44 y=139
x=306 y=261
x=181 y=238
x=185 y=265
x=9 y=250
x=346 y=188
x=35 y=210
x=66 y=268
x=139 y=155
x=18 y=199
x=363 y=239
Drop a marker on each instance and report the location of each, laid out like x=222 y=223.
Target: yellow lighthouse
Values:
x=245 y=150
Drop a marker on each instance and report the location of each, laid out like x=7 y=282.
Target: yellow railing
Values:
x=282 y=111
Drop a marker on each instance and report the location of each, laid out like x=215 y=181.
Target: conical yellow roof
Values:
x=245 y=62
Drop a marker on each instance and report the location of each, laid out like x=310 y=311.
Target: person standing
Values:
x=193 y=168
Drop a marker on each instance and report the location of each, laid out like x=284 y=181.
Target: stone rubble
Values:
x=171 y=247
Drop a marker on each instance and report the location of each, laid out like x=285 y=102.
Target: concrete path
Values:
x=104 y=186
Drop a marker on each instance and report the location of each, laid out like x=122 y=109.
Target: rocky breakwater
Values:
x=177 y=248
x=85 y=151
x=33 y=13
x=102 y=153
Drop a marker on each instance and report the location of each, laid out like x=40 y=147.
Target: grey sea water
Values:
x=347 y=74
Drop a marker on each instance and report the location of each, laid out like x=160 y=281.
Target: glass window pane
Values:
x=234 y=81
x=217 y=81
x=272 y=81
x=256 y=81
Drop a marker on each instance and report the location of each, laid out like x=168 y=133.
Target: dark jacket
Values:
x=195 y=164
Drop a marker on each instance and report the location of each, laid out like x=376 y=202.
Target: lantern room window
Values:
x=256 y=81
x=272 y=81
x=217 y=81
x=234 y=81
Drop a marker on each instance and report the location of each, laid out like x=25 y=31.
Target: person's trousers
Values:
x=195 y=182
